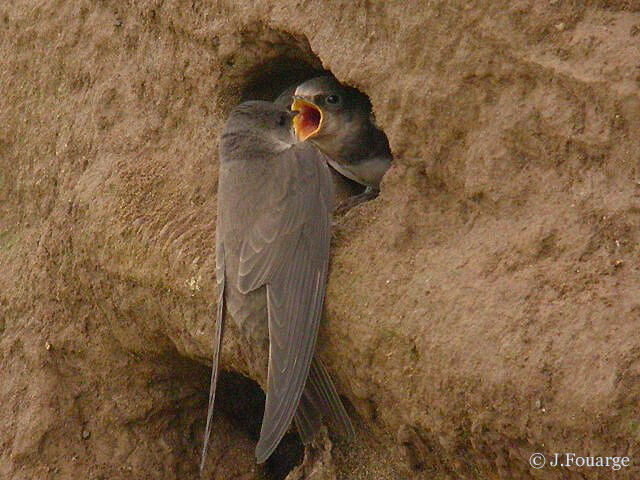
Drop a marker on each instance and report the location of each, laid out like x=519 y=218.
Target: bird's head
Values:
x=257 y=125
x=328 y=112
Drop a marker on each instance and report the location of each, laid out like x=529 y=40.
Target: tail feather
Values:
x=307 y=419
x=217 y=343
x=321 y=400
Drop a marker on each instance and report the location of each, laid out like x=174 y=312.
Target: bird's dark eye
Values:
x=282 y=119
x=333 y=99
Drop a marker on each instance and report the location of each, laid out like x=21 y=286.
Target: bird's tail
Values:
x=320 y=401
x=217 y=345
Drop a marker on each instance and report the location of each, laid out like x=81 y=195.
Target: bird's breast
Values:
x=367 y=172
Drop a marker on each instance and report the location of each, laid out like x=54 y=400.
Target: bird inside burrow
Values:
x=339 y=121
x=275 y=202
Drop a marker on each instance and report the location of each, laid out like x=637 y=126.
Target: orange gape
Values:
x=308 y=120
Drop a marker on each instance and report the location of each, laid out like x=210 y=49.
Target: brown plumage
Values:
x=272 y=254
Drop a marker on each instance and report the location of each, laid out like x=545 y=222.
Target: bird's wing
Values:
x=288 y=251
x=217 y=344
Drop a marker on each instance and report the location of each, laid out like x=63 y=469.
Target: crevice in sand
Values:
x=242 y=401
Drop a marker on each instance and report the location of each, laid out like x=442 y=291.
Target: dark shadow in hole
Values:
x=239 y=399
x=269 y=80
x=242 y=401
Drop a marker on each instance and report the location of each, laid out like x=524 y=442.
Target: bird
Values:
x=345 y=190
x=272 y=255
x=339 y=121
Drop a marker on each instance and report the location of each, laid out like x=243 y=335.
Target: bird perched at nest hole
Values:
x=272 y=255
x=338 y=120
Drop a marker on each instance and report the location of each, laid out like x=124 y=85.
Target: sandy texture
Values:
x=485 y=307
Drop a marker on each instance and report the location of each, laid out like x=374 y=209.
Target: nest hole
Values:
x=267 y=81
x=242 y=401
x=239 y=405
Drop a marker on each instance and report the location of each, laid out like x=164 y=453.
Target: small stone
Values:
x=86 y=434
x=538 y=404
x=560 y=26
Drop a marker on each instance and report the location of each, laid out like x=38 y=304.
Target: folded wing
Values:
x=288 y=251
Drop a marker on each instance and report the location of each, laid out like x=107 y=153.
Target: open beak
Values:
x=308 y=121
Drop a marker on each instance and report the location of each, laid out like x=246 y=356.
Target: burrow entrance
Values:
x=270 y=64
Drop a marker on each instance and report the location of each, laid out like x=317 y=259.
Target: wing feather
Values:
x=282 y=242
x=288 y=251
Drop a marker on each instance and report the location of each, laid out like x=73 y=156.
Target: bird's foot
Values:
x=318 y=460
x=369 y=194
